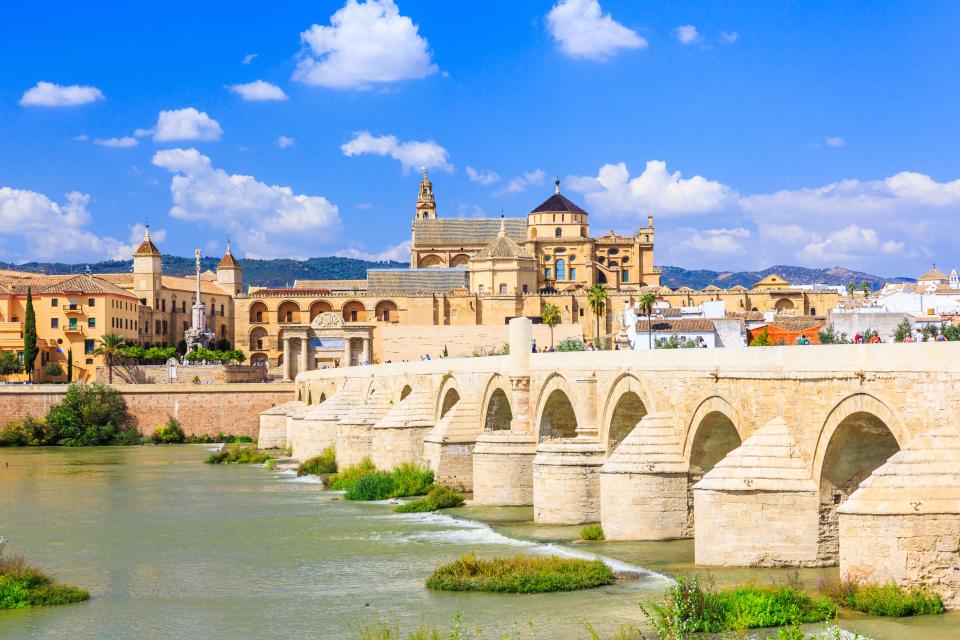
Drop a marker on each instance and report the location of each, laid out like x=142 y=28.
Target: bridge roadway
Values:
x=798 y=456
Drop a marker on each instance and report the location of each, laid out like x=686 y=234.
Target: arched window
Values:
x=561 y=266
x=557 y=232
x=503 y=289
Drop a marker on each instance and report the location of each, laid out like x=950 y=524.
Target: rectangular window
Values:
x=525 y=288
x=88 y=347
x=164 y=327
x=573 y=273
x=73 y=324
x=547 y=273
x=156 y=327
x=221 y=310
x=89 y=360
x=73 y=304
x=91 y=302
x=625 y=275
x=92 y=323
x=54 y=323
x=53 y=302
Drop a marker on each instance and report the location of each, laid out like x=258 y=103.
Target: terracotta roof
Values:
x=558 y=203
x=227 y=261
x=333 y=285
x=679 y=325
x=933 y=274
x=796 y=325
x=289 y=292
x=176 y=283
x=79 y=284
x=465 y=231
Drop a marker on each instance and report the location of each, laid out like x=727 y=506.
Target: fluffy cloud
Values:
x=520 y=183
x=413 y=154
x=117 y=143
x=258 y=91
x=366 y=44
x=34 y=227
x=729 y=37
x=266 y=220
x=250 y=57
x=655 y=191
x=687 y=34
x=582 y=30
x=848 y=245
x=396 y=253
x=183 y=124
x=285 y=141
x=48 y=94
x=486 y=178
x=836 y=141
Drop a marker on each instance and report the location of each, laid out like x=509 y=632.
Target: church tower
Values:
x=229 y=273
x=426 y=205
x=147 y=270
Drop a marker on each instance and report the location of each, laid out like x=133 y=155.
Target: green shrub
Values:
x=410 y=479
x=22 y=586
x=169 y=433
x=326 y=462
x=90 y=415
x=438 y=498
x=345 y=479
x=571 y=344
x=52 y=370
x=882 y=599
x=364 y=482
x=592 y=532
x=520 y=574
x=29 y=432
x=235 y=454
x=372 y=486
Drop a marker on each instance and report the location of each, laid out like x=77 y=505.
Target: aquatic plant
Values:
x=888 y=599
x=345 y=479
x=519 y=574
x=363 y=481
x=235 y=454
x=169 y=433
x=439 y=498
x=372 y=486
x=592 y=532
x=411 y=480
x=23 y=585
x=326 y=462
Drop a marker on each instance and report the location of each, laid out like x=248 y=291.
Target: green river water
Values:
x=171 y=548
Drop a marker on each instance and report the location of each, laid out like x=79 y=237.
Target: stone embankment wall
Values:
x=409 y=343
x=183 y=374
x=201 y=409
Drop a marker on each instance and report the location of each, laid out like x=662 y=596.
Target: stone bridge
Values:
x=775 y=456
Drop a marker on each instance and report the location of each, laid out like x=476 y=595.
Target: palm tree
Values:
x=550 y=314
x=851 y=287
x=646 y=302
x=866 y=288
x=597 y=299
x=111 y=348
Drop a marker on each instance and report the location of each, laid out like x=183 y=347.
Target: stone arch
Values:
x=711 y=405
x=258 y=312
x=309 y=395
x=387 y=311
x=318 y=307
x=860 y=434
x=354 y=311
x=258 y=359
x=784 y=304
x=322 y=398
x=626 y=404
x=459 y=260
x=497 y=411
x=430 y=261
x=258 y=339
x=445 y=399
x=288 y=312
x=556 y=415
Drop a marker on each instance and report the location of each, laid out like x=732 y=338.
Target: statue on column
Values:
x=198 y=336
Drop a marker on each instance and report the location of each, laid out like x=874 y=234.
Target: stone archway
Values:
x=450 y=398
x=713 y=433
x=557 y=418
x=625 y=407
x=784 y=305
x=318 y=307
x=498 y=415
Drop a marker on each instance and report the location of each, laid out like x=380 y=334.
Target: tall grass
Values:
x=888 y=599
x=364 y=482
x=520 y=574
x=438 y=498
x=23 y=585
x=326 y=462
x=345 y=479
x=236 y=454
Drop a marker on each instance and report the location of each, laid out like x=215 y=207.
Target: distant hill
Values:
x=281 y=272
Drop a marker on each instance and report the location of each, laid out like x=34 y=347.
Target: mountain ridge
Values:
x=283 y=272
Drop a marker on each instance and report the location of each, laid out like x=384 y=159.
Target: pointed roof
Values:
x=147 y=248
x=503 y=246
x=933 y=274
x=558 y=203
x=772 y=279
x=227 y=261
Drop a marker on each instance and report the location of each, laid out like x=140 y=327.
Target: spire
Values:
x=557 y=183
x=503 y=227
x=227 y=261
x=147 y=248
x=426 y=205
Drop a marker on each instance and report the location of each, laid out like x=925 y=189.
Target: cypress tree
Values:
x=29 y=337
x=69 y=366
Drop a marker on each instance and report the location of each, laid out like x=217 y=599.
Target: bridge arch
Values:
x=626 y=404
x=497 y=410
x=713 y=411
x=556 y=415
x=448 y=396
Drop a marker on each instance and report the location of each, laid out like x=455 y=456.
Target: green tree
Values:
x=111 y=350
x=866 y=288
x=647 y=301
x=30 y=350
x=830 y=335
x=550 y=314
x=851 y=287
x=182 y=347
x=9 y=363
x=69 y=366
x=902 y=331
x=597 y=299
x=89 y=415
x=52 y=370
x=762 y=339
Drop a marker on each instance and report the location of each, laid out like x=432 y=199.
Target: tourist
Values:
x=875 y=339
x=858 y=339
x=941 y=337
x=908 y=338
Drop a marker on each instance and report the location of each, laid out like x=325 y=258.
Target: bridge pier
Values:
x=318 y=428
x=643 y=485
x=273 y=425
x=903 y=523
x=503 y=468
x=354 y=439
x=566 y=481
x=758 y=506
x=398 y=436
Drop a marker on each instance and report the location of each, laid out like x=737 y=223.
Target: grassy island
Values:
x=23 y=585
x=236 y=454
x=520 y=574
x=364 y=481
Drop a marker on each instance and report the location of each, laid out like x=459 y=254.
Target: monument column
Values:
x=287 y=369
x=304 y=355
x=345 y=361
x=367 y=349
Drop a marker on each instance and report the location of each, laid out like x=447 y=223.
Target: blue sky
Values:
x=806 y=133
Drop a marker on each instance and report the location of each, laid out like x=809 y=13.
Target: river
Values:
x=171 y=548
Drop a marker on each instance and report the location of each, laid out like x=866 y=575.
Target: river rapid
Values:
x=171 y=548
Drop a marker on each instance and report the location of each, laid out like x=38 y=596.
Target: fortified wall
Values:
x=762 y=455
x=201 y=409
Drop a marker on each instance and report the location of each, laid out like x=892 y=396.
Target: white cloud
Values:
x=366 y=44
x=413 y=154
x=687 y=34
x=48 y=94
x=81 y=138
x=836 y=141
x=183 y=124
x=583 y=31
x=117 y=143
x=285 y=141
x=718 y=242
x=654 y=191
x=258 y=91
x=396 y=253
x=486 y=178
x=729 y=37
x=34 y=227
x=848 y=245
x=265 y=220
x=533 y=178
x=250 y=57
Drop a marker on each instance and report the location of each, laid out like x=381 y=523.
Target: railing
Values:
x=73 y=328
x=70 y=309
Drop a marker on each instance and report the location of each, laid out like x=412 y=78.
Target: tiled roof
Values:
x=290 y=292
x=680 y=325
x=558 y=203
x=227 y=261
x=176 y=283
x=465 y=231
x=796 y=325
x=333 y=285
x=79 y=284
x=934 y=274
x=399 y=281
x=147 y=248
x=503 y=246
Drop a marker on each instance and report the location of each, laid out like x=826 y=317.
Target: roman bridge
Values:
x=804 y=456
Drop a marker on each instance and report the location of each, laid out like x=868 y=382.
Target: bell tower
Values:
x=426 y=205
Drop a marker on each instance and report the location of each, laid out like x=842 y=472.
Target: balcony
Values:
x=73 y=309
x=73 y=329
